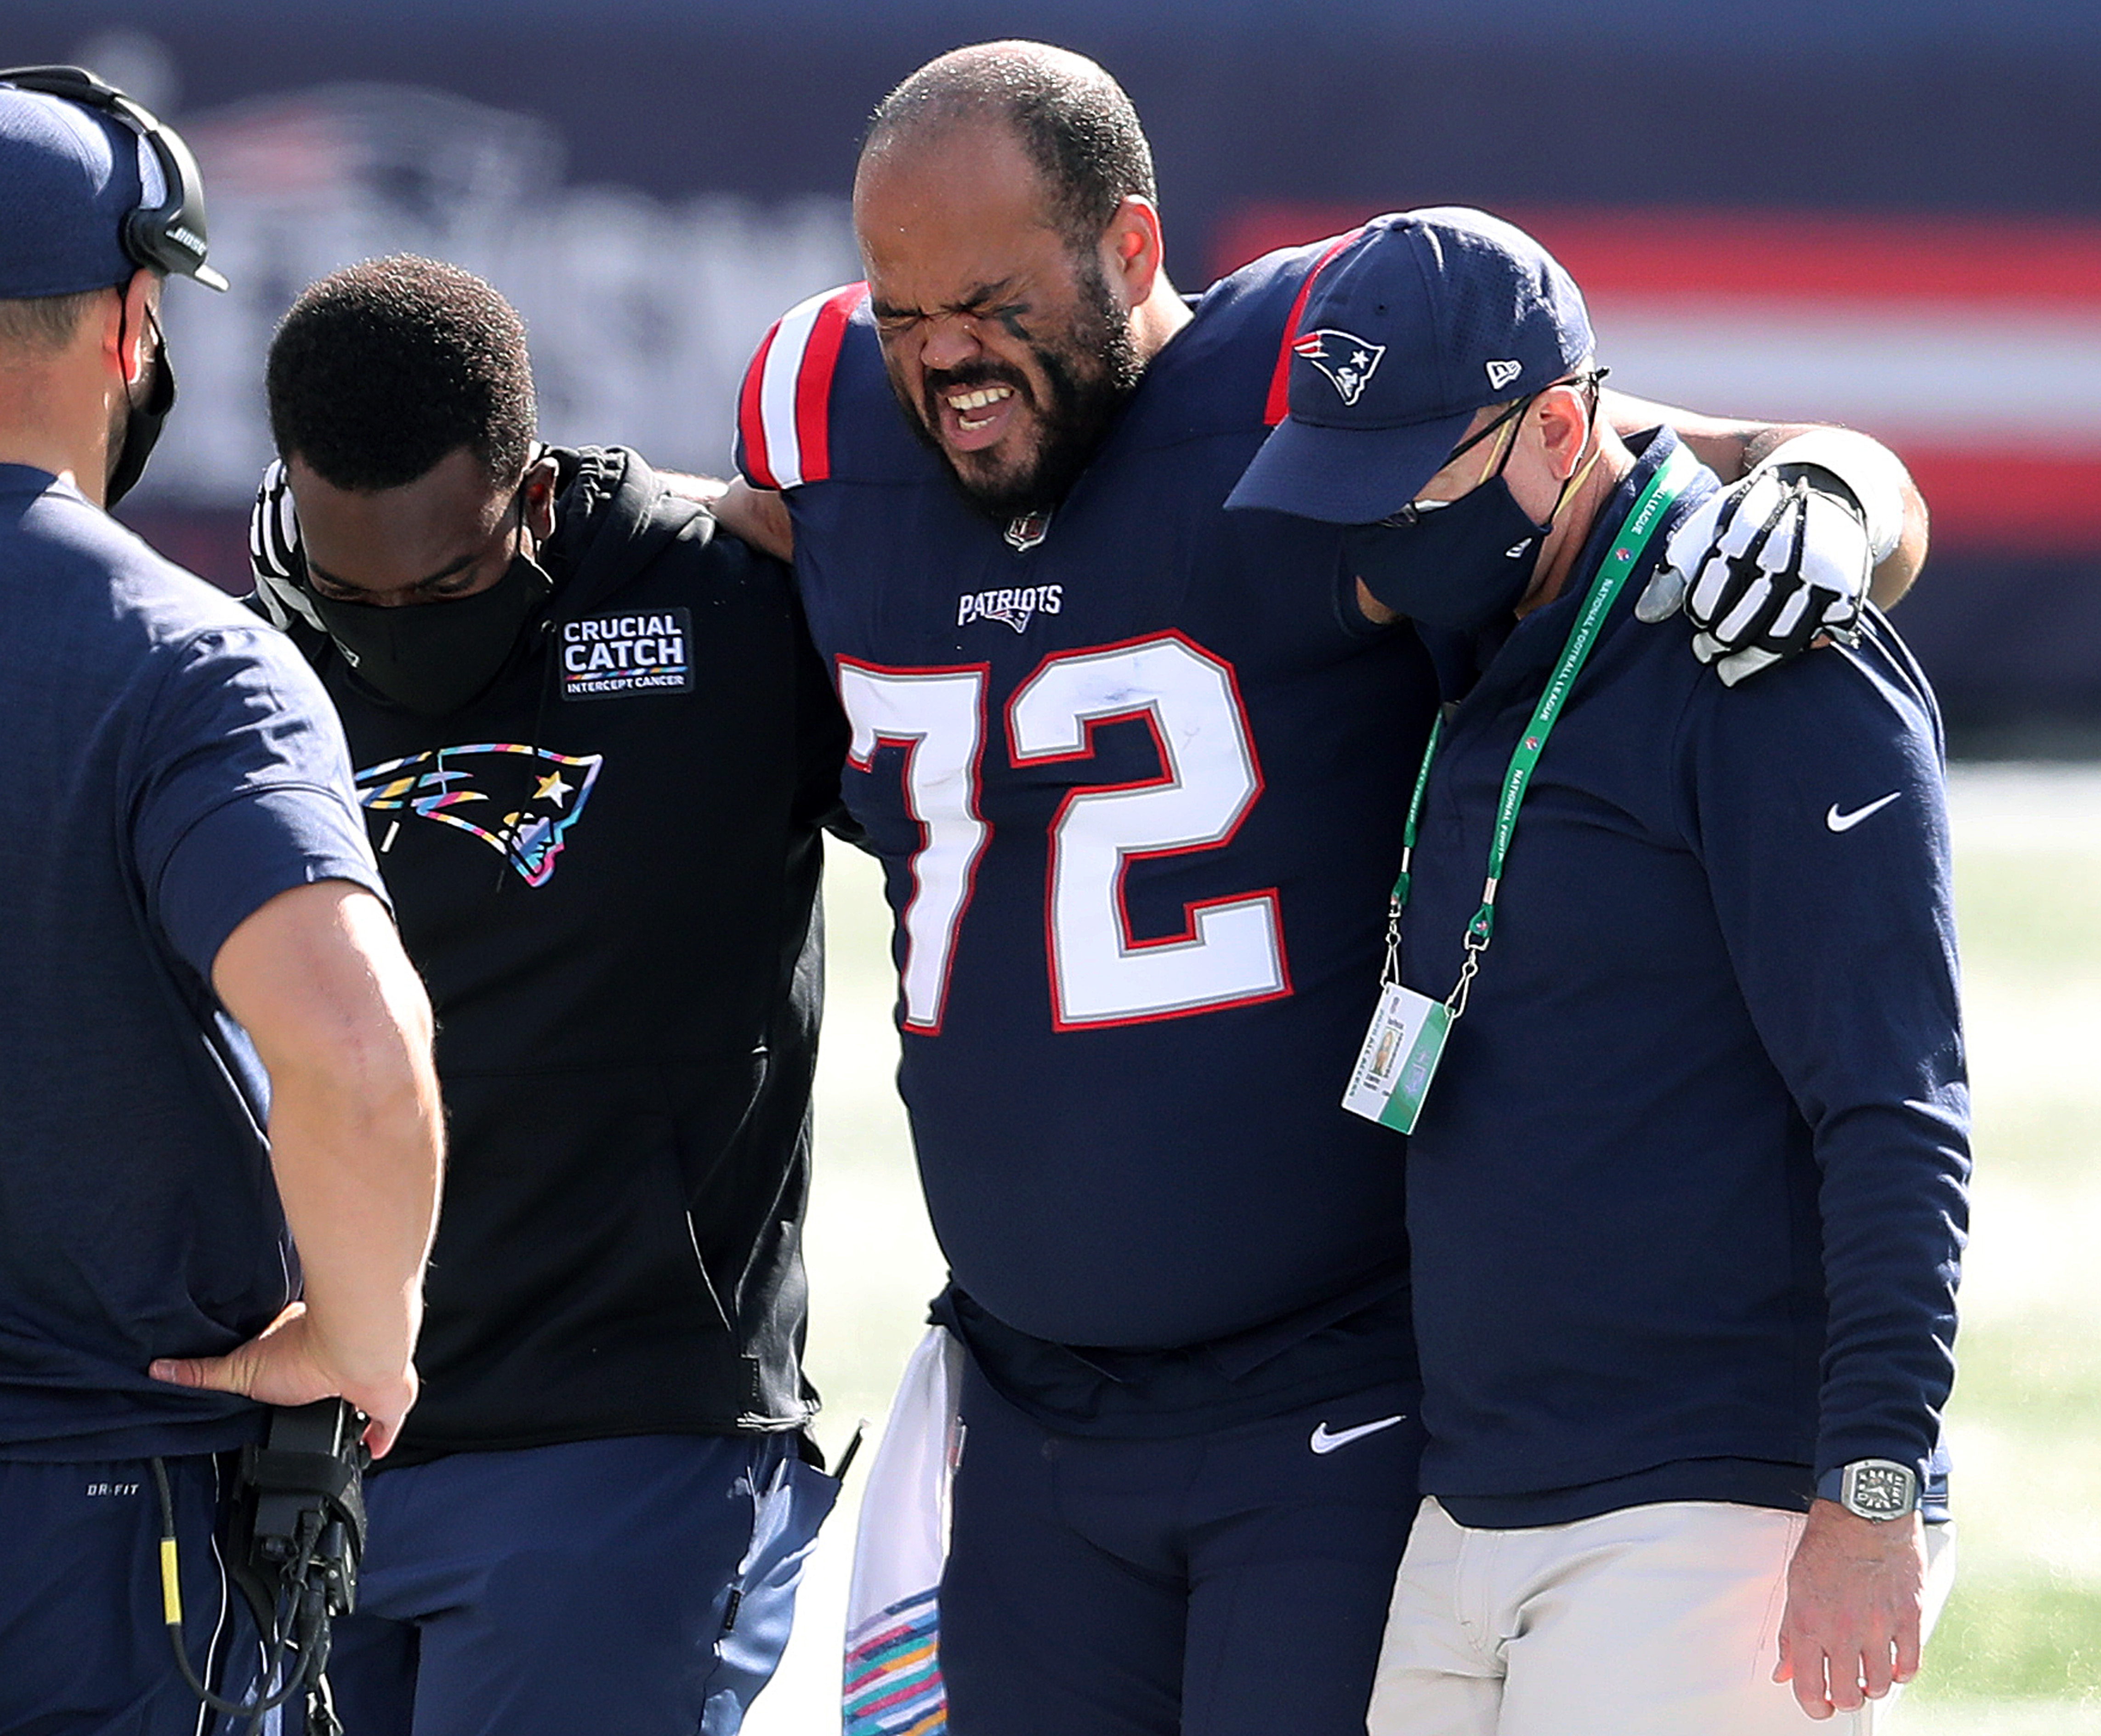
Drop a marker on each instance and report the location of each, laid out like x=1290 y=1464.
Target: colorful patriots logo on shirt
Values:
x=518 y=800
x=1348 y=361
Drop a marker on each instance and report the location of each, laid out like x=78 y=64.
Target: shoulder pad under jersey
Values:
x=784 y=413
x=1270 y=294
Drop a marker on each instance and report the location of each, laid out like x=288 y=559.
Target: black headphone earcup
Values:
x=141 y=231
x=169 y=237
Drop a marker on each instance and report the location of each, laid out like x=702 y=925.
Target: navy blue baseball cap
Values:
x=1426 y=318
x=69 y=179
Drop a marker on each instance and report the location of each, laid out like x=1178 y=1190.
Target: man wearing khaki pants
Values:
x=1685 y=1180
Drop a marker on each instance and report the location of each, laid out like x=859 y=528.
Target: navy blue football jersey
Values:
x=1136 y=771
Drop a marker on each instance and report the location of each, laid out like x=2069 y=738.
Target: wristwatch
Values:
x=1878 y=1489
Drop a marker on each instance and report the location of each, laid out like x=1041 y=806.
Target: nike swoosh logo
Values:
x=1838 y=822
x=1327 y=1441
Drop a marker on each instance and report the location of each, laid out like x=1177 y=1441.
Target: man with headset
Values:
x=197 y=946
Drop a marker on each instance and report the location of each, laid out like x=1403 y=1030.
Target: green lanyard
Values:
x=1664 y=487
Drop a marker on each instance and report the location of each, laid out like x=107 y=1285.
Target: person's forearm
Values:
x=688 y=485
x=1731 y=448
x=355 y=1143
x=757 y=516
x=1895 y=572
x=318 y=978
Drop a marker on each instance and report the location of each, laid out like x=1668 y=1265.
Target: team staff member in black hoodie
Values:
x=594 y=754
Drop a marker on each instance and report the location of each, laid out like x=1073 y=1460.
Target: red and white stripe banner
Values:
x=1971 y=345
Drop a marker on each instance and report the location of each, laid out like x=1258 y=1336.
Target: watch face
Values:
x=1879 y=1491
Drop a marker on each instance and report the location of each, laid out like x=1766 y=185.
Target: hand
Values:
x=276 y=560
x=1766 y=569
x=1854 y=1591
x=288 y=1363
x=273 y=527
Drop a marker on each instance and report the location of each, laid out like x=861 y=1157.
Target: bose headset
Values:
x=297 y=1519
x=167 y=237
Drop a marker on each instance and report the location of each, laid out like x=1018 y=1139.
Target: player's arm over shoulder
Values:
x=758 y=516
x=1732 y=448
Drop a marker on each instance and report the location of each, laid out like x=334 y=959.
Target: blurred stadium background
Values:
x=1887 y=212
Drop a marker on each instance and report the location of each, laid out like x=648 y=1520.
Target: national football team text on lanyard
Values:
x=1406 y=1036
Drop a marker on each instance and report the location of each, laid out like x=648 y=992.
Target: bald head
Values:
x=1073 y=120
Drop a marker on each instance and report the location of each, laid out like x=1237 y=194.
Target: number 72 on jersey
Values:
x=1231 y=952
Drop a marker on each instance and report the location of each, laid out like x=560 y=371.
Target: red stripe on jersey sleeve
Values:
x=813 y=382
x=751 y=424
x=1280 y=382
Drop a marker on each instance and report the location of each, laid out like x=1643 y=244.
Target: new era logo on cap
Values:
x=1348 y=361
x=1501 y=373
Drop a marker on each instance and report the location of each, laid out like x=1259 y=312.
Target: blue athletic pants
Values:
x=84 y=1647
x=1231 y=1582
x=635 y=1587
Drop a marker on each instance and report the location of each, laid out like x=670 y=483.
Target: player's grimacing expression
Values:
x=1010 y=347
x=451 y=533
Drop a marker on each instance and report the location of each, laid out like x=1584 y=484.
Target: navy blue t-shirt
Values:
x=172 y=765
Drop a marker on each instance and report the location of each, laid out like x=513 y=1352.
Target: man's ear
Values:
x=127 y=327
x=1131 y=254
x=1564 y=427
x=539 y=486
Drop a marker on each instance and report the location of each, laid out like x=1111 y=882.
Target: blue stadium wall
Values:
x=1887 y=210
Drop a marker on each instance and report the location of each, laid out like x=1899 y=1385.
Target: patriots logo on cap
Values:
x=1348 y=361
x=519 y=801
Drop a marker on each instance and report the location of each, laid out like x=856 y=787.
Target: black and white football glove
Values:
x=274 y=554
x=1763 y=568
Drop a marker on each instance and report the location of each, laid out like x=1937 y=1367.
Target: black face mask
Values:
x=142 y=424
x=432 y=658
x=1464 y=564
x=1461 y=566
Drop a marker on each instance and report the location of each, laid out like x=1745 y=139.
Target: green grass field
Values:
x=2020 y=1650
x=2018 y=1653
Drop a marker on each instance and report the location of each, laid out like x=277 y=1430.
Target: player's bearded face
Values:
x=1070 y=378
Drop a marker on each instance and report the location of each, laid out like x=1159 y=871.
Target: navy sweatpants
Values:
x=1233 y=1583
x=635 y=1587
x=84 y=1647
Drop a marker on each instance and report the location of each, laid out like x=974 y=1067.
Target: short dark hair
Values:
x=40 y=325
x=1074 y=121
x=380 y=370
